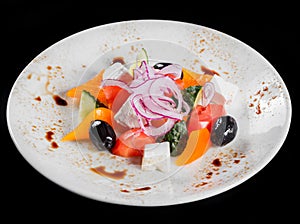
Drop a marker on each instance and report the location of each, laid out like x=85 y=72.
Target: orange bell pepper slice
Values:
x=197 y=145
x=81 y=132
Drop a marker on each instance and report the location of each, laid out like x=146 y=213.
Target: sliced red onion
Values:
x=149 y=97
x=167 y=100
x=161 y=84
x=147 y=70
x=114 y=82
x=136 y=82
x=173 y=69
x=141 y=109
x=157 y=109
x=208 y=93
x=159 y=131
x=142 y=87
x=137 y=74
x=163 y=104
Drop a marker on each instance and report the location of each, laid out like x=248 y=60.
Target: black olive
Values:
x=161 y=65
x=102 y=135
x=224 y=130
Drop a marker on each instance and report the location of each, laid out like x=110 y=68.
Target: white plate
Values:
x=262 y=108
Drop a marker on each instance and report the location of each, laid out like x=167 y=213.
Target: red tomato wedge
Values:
x=204 y=117
x=131 y=143
x=110 y=93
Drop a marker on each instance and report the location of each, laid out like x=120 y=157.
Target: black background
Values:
x=27 y=29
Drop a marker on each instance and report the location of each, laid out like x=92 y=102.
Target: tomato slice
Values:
x=204 y=117
x=121 y=149
x=118 y=99
x=110 y=93
x=131 y=143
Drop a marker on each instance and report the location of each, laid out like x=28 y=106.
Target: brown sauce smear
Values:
x=258 y=110
x=38 y=98
x=118 y=59
x=201 y=184
x=209 y=71
x=142 y=189
x=236 y=161
x=54 y=145
x=217 y=162
x=60 y=101
x=49 y=135
x=209 y=175
x=117 y=175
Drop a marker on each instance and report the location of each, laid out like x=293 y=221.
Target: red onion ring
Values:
x=208 y=93
x=153 y=96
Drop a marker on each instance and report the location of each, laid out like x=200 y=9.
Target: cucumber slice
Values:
x=86 y=105
x=141 y=56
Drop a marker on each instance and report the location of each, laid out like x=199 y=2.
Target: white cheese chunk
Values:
x=226 y=89
x=115 y=71
x=126 y=116
x=156 y=157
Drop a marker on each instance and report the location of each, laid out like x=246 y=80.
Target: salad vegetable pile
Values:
x=154 y=112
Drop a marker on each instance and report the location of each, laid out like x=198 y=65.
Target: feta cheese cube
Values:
x=157 y=157
x=126 y=116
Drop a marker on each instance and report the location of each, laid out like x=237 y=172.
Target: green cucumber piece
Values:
x=141 y=56
x=87 y=104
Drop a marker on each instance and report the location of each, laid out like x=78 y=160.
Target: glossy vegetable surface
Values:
x=197 y=145
x=102 y=135
x=81 y=132
x=131 y=143
x=224 y=130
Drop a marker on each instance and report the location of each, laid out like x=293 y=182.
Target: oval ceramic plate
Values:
x=38 y=118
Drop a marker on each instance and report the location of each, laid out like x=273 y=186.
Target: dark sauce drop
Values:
x=142 y=189
x=54 y=145
x=216 y=162
x=49 y=135
x=60 y=101
x=209 y=175
x=236 y=161
x=38 y=98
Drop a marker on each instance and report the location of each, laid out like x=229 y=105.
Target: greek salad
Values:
x=154 y=111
